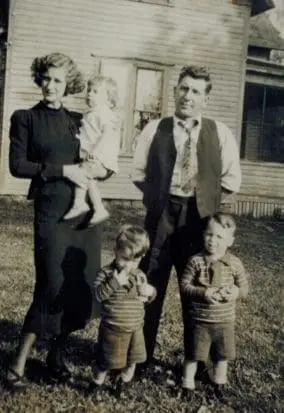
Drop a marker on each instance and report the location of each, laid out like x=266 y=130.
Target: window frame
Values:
x=261 y=152
x=166 y=3
x=136 y=64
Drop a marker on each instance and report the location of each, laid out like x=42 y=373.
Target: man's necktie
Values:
x=188 y=167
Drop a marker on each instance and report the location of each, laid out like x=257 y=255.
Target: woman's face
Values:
x=53 y=86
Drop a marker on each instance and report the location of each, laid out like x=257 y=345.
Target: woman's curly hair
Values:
x=75 y=82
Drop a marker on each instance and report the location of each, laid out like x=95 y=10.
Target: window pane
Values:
x=263 y=126
x=148 y=90
x=273 y=133
x=121 y=73
x=148 y=101
x=252 y=126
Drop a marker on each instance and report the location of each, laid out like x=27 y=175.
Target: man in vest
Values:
x=188 y=168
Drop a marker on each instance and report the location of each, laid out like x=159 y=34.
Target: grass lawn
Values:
x=254 y=376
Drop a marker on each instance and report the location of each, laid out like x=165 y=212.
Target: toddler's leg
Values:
x=128 y=373
x=189 y=371
x=79 y=206
x=100 y=213
x=220 y=371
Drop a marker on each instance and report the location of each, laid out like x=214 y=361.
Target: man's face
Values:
x=190 y=97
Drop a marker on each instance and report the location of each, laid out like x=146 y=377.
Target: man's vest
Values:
x=161 y=161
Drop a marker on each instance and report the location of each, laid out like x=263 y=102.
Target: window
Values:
x=142 y=95
x=263 y=125
x=169 y=3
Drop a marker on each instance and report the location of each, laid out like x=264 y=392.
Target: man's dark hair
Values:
x=196 y=72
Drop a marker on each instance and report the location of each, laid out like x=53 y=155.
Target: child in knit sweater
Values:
x=212 y=282
x=99 y=137
x=122 y=289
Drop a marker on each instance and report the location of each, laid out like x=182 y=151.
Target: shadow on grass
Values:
x=80 y=352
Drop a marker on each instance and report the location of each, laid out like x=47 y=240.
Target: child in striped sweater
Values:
x=211 y=284
x=122 y=289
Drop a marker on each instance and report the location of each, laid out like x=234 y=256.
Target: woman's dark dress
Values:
x=66 y=258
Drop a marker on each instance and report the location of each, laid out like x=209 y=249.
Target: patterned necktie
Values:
x=188 y=168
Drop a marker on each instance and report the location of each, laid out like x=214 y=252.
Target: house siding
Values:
x=211 y=33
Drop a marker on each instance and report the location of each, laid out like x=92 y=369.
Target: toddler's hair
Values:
x=111 y=88
x=132 y=240
x=225 y=220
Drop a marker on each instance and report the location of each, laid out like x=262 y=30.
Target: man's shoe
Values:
x=57 y=371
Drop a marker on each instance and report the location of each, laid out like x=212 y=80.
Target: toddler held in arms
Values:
x=99 y=137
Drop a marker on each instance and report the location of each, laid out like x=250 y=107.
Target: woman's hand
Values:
x=77 y=175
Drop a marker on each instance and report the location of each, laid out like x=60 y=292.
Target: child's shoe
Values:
x=96 y=390
x=97 y=217
x=76 y=210
x=122 y=389
x=186 y=394
x=221 y=392
x=187 y=389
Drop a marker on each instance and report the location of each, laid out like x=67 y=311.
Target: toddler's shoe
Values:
x=76 y=210
x=97 y=390
x=122 y=388
x=97 y=217
x=221 y=392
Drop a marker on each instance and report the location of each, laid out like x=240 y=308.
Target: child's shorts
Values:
x=202 y=339
x=117 y=349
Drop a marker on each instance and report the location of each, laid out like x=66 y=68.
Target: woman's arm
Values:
x=19 y=164
x=19 y=156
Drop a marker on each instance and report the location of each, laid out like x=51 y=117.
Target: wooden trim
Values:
x=167 y=3
x=130 y=105
x=242 y=82
x=7 y=87
x=262 y=164
x=263 y=80
x=133 y=60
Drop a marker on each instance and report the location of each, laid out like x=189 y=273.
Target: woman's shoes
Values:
x=14 y=381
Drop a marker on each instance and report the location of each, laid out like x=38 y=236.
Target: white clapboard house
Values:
x=143 y=44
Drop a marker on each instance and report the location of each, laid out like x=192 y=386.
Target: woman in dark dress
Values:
x=44 y=148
